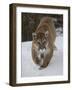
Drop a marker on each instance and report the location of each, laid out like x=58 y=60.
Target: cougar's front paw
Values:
x=41 y=68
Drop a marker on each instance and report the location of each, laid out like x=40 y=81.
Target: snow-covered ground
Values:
x=30 y=69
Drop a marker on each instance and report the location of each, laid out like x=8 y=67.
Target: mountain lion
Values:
x=43 y=42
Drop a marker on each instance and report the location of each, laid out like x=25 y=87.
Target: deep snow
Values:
x=55 y=67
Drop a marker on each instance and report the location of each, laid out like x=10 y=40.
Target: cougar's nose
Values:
x=42 y=47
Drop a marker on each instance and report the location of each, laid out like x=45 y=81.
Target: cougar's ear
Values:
x=46 y=34
x=34 y=36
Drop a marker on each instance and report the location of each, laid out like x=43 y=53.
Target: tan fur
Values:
x=46 y=24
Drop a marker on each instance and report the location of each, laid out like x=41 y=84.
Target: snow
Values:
x=30 y=69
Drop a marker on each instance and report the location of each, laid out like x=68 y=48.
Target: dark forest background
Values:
x=30 y=22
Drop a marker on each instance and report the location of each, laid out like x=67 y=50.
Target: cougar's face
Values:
x=42 y=47
x=41 y=42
